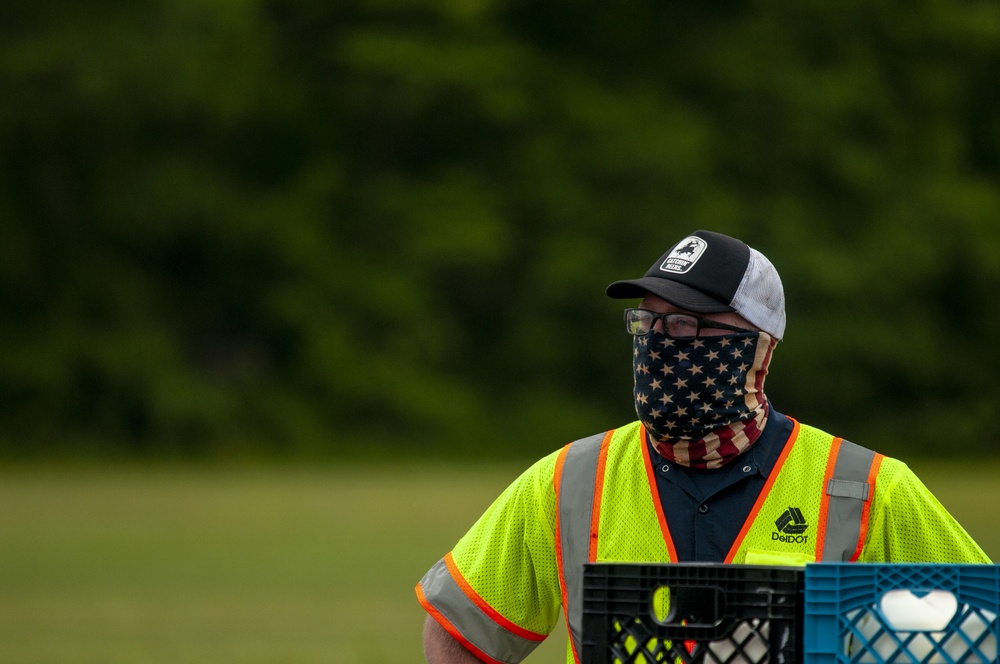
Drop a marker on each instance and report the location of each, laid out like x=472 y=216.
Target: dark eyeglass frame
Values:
x=699 y=322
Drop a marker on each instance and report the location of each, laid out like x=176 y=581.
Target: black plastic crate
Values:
x=691 y=614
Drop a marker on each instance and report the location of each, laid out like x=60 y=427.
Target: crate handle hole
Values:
x=904 y=611
x=690 y=606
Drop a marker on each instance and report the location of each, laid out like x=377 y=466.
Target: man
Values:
x=710 y=472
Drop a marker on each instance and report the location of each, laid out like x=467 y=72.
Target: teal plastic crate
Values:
x=901 y=614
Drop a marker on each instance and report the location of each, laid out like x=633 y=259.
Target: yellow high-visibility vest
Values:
x=499 y=591
x=791 y=523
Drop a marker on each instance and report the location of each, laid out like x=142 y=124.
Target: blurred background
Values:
x=326 y=228
x=332 y=241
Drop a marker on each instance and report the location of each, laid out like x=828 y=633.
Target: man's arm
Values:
x=440 y=647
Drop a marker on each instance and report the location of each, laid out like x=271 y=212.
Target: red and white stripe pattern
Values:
x=702 y=400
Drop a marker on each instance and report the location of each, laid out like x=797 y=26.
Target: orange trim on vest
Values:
x=595 y=517
x=824 y=501
x=759 y=503
x=863 y=535
x=557 y=485
x=657 y=503
x=494 y=615
x=451 y=629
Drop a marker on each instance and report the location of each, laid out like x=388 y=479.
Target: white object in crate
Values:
x=930 y=615
x=753 y=637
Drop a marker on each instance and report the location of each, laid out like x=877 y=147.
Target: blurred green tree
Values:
x=299 y=227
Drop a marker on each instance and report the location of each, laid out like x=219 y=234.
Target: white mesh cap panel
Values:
x=760 y=297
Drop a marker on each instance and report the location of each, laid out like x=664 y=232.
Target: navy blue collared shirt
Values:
x=705 y=509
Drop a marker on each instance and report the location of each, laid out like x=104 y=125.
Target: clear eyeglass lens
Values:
x=639 y=322
x=684 y=327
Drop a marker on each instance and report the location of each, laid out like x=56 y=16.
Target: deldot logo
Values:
x=791 y=525
x=684 y=255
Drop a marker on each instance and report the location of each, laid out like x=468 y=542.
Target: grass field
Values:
x=286 y=565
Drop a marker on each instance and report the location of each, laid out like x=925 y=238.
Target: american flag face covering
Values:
x=702 y=400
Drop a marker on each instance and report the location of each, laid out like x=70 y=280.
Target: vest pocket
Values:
x=795 y=558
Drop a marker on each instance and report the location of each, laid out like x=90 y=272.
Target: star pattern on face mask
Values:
x=686 y=388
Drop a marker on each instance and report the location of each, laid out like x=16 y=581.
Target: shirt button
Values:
x=747 y=469
x=664 y=468
x=703 y=509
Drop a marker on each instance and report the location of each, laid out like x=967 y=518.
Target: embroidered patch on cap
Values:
x=685 y=255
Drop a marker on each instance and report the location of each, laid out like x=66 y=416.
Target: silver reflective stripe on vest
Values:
x=576 y=504
x=478 y=628
x=848 y=490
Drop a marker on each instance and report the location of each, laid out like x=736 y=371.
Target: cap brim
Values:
x=673 y=292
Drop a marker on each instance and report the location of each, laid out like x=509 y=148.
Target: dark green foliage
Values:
x=310 y=228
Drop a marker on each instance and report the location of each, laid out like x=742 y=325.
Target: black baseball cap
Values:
x=709 y=272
